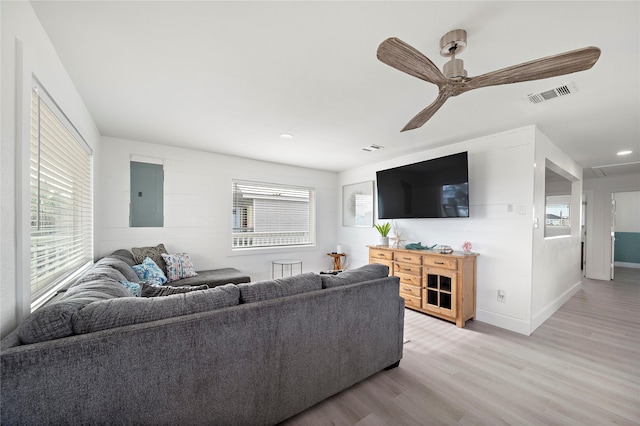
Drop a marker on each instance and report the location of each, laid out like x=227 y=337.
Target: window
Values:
x=271 y=215
x=557 y=201
x=61 y=227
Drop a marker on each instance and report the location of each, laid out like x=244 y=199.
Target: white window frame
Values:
x=74 y=164
x=277 y=199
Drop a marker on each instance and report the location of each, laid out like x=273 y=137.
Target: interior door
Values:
x=613 y=235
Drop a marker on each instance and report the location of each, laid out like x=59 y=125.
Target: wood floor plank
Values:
x=581 y=367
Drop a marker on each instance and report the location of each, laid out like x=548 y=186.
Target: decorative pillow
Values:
x=179 y=266
x=149 y=290
x=155 y=253
x=134 y=288
x=148 y=271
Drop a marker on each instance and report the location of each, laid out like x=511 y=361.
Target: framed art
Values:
x=357 y=204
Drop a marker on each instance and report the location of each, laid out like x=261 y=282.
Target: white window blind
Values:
x=61 y=221
x=272 y=215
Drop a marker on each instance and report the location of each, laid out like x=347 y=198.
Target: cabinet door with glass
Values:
x=440 y=291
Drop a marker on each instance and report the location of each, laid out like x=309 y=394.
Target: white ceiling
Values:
x=230 y=77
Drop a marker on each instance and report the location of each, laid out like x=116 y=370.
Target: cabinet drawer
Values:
x=411 y=290
x=408 y=258
x=408 y=278
x=381 y=254
x=407 y=268
x=440 y=262
x=410 y=301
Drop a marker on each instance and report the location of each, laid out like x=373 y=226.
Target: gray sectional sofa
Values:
x=236 y=354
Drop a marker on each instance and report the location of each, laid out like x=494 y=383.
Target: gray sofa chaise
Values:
x=248 y=354
x=210 y=278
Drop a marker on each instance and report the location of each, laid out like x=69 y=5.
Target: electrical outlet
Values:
x=502 y=296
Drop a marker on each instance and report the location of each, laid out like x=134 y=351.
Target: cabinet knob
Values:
x=439 y=263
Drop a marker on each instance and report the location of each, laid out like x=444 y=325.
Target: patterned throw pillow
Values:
x=141 y=253
x=149 y=272
x=179 y=266
x=134 y=288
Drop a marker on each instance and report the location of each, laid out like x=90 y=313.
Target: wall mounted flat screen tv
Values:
x=437 y=188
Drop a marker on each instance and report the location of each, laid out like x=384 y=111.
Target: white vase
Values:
x=384 y=241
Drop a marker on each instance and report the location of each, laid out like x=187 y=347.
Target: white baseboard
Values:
x=503 y=321
x=540 y=317
x=627 y=265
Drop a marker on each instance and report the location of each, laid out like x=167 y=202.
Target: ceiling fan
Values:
x=454 y=81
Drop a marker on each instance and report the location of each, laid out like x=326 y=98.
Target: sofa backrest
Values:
x=280 y=287
x=123 y=311
x=352 y=276
x=98 y=301
x=53 y=321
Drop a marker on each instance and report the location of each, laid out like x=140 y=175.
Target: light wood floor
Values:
x=581 y=367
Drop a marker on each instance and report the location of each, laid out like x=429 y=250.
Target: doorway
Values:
x=625 y=230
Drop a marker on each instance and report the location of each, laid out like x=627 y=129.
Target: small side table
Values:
x=283 y=263
x=337 y=263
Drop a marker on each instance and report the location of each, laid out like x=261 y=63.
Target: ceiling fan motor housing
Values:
x=454 y=69
x=451 y=44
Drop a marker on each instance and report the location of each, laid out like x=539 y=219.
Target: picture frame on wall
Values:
x=357 y=204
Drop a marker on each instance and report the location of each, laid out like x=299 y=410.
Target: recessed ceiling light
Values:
x=286 y=136
x=624 y=152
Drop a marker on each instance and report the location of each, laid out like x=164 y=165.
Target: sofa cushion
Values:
x=215 y=277
x=123 y=311
x=281 y=287
x=121 y=266
x=97 y=272
x=352 y=276
x=166 y=290
x=125 y=255
x=149 y=272
x=155 y=253
x=53 y=321
x=178 y=266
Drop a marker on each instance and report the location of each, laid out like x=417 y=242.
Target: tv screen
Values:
x=437 y=188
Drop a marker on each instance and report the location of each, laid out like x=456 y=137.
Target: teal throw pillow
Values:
x=134 y=288
x=148 y=271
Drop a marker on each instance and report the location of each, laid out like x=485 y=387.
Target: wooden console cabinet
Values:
x=442 y=285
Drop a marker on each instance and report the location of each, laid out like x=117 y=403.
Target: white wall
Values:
x=26 y=54
x=556 y=260
x=627 y=211
x=627 y=229
x=499 y=227
x=598 y=245
x=197 y=206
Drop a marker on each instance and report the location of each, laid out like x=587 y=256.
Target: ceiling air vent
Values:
x=564 y=90
x=372 y=147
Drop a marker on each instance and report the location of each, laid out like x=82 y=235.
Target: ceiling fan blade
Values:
x=399 y=55
x=551 y=66
x=424 y=115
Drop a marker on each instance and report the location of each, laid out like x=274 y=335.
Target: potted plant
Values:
x=383 y=229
